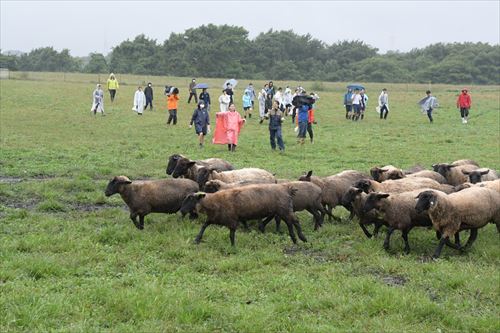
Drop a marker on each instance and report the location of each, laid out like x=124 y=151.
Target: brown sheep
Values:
x=231 y=206
x=151 y=196
x=470 y=208
x=189 y=169
x=216 y=185
x=402 y=185
x=480 y=175
x=397 y=210
x=454 y=172
x=429 y=174
x=334 y=187
x=248 y=174
x=386 y=172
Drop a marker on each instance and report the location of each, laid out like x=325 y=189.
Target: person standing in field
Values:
x=270 y=89
x=356 y=105
x=227 y=128
x=112 y=86
x=364 y=102
x=192 y=91
x=303 y=120
x=279 y=98
x=275 y=116
x=172 y=102
x=348 y=103
x=98 y=101
x=262 y=105
x=383 y=103
x=205 y=96
x=247 y=104
x=464 y=102
x=251 y=91
x=148 y=92
x=139 y=101
x=230 y=92
x=287 y=100
x=428 y=104
x=224 y=101
x=201 y=121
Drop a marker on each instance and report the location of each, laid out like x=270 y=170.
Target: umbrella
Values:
x=232 y=82
x=355 y=86
x=201 y=86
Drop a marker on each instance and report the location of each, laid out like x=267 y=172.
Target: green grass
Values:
x=71 y=260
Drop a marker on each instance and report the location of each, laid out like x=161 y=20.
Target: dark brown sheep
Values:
x=189 y=169
x=454 y=173
x=151 y=196
x=479 y=175
x=356 y=198
x=231 y=206
x=471 y=208
x=398 y=212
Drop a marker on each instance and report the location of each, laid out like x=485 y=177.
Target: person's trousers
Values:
x=464 y=112
x=149 y=101
x=191 y=96
x=275 y=134
x=382 y=114
x=310 y=131
x=172 y=116
x=112 y=93
x=429 y=114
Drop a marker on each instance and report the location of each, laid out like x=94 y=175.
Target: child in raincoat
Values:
x=227 y=128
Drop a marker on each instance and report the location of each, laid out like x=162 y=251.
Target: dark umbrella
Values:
x=201 y=86
x=355 y=86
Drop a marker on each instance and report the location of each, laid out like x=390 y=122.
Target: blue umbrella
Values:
x=201 y=86
x=232 y=82
x=355 y=86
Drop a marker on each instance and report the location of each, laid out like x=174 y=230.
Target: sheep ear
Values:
x=484 y=172
x=359 y=190
x=434 y=166
x=465 y=172
x=309 y=174
x=383 y=170
x=191 y=163
x=383 y=195
x=449 y=166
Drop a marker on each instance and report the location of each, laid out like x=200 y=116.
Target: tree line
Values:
x=226 y=51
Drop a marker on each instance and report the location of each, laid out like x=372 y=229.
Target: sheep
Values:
x=189 y=169
x=492 y=184
x=150 y=196
x=215 y=185
x=386 y=172
x=479 y=175
x=454 y=172
x=397 y=210
x=470 y=208
x=172 y=162
x=333 y=188
x=402 y=185
x=429 y=174
x=308 y=197
x=250 y=174
x=357 y=198
x=230 y=206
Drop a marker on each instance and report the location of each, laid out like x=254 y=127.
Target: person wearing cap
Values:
x=201 y=121
x=148 y=92
x=98 y=101
x=464 y=103
x=383 y=103
x=112 y=86
x=192 y=91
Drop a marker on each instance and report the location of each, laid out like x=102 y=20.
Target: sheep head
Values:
x=172 y=162
x=350 y=196
x=425 y=201
x=115 y=183
x=306 y=177
x=475 y=175
x=363 y=184
x=190 y=202
x=373 y=201
x=182 y=166
x=203 y=176
x=212 y=186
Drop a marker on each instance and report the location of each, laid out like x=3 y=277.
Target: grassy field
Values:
x=71 y=260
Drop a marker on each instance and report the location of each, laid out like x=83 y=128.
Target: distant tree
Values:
x=9 y=61
x=49 y=60
x=96 y=64
x=140 y=56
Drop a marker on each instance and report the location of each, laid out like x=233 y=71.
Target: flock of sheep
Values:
x=450 y=198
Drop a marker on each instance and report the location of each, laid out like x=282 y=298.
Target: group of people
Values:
x=464 y=102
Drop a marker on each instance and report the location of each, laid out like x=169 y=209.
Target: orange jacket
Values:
x=172 y=102
x=310 y=117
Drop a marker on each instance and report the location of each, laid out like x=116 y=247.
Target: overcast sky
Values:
x=97 y=26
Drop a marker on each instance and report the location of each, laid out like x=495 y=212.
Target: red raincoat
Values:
x=227 y=127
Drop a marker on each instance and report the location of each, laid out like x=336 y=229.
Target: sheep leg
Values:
x=197 y=240
x=245 y=225
x=232 y=233
x=291 y=232
x=367 y=233
x=388 y=238
x=316 y=218
x=263 y=223
x=278 y=223
x=439 y=248
x=141 y=222
x=472 y=238
x=405 y=238
x=299 y=231
x=377 y=228
x=133 y=217
x=351 y=215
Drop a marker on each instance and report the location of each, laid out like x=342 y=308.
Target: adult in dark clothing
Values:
x=192 y=91
x=229 y=92
x=268 y=103
x=205 y=96
x=201 y=121
x=270 y=89
x=275 y=119
x=148 y=91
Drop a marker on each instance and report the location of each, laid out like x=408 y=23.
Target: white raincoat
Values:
x=139 y=101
